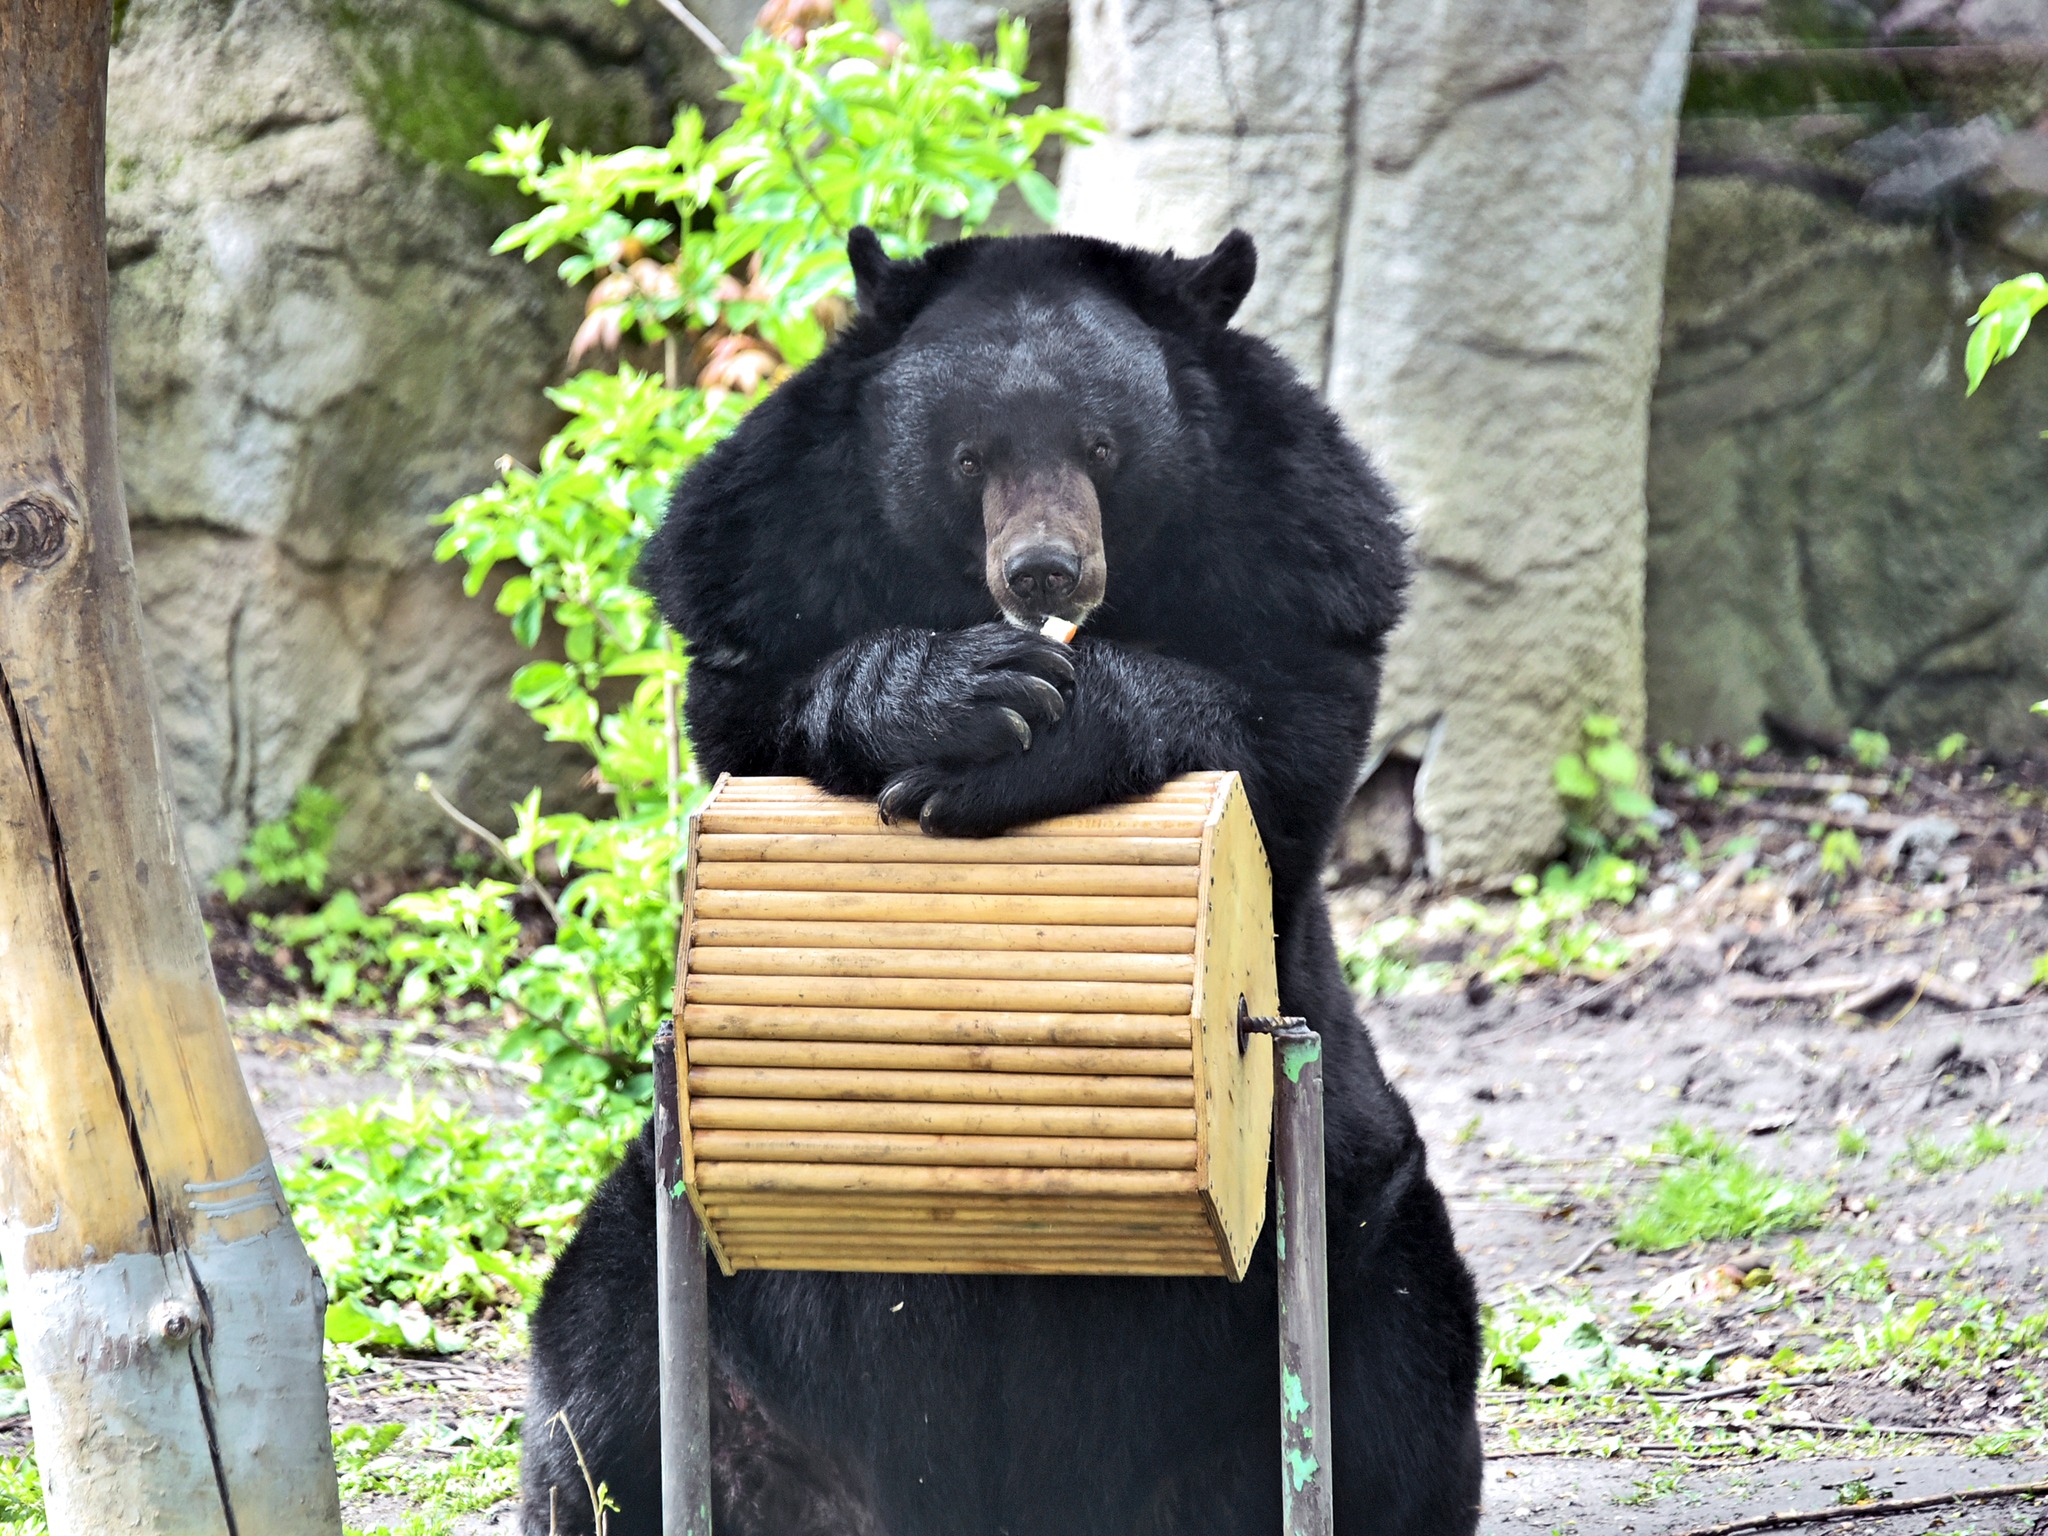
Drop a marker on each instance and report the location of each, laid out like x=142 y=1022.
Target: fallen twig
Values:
x=1862 y=990
x=1741 y=1389
x=525 y=1071
x=1876 y=1429
x=1878 y=1508
x=1815 y=783
x=1585 y=1258
x=1795 y=988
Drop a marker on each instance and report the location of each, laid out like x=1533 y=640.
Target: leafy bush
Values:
x=1601 y=786
x=1841 y=851
x=1715 y=1192
x=1554 y=930
x=347 y=951
x=414 y=1200
x=1529 y=1343
x=289 y=854
x=1872 y=749
x=730 y=252
x=726 y=253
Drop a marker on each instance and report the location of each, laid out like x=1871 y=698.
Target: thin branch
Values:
x=1585 y=1258
x=697 y=29
x=1875 y=1509
x=527 y=880
x=1953 y=1432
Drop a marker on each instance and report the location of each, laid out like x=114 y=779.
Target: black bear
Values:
x=1012 y=429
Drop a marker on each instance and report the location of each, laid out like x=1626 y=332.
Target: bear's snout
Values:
x=1043 y=576
x=1044 y=544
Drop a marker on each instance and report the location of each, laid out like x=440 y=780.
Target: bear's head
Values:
x=1030 y=406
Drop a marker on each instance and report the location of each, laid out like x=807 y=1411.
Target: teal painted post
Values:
x=681 y=1316
x=1306 y=1447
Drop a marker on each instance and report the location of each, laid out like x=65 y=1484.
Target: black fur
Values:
x=825 y=563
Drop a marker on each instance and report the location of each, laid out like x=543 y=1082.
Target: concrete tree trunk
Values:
x=1478 y=289
x=168 y=1318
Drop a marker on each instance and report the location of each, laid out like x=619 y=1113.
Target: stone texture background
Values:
x=1837 y=536
x=1461 y=211
x=315 y=353
x=1460 y=207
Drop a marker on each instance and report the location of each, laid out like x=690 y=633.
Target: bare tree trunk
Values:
x=168 y=1318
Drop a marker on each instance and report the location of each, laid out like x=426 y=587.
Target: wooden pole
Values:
x=1306 y=1446
x=168 y=1319
x=682 y=1318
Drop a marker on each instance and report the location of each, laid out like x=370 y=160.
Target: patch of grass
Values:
x=1841 y=851
x=1714 y=1193
x=1984 y=1142
x=441 y=1471
x=1852 y=1141
x=418 y=1212
x=1658 y=1485
x=1555 y=930
x=1532 y=1343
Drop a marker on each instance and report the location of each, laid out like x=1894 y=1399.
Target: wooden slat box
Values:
x=1014 y=1055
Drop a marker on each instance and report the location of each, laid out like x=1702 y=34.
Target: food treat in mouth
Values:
x=1057 y=628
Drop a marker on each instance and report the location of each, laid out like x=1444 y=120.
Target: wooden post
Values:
x=168 y=1319
x=1306 y=1446
x=681 y=1317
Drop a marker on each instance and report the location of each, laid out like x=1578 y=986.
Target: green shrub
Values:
x=2001 y=324
x=1601 y=786
x=727 y=253
x=288 y=854
x=415 y=1200
x=1715 y=1192
x=732 y=249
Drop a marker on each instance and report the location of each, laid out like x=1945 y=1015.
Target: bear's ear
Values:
x=876 y=279
x=1217 y=283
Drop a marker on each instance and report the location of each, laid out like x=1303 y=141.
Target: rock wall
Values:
x=314 y=354
x=1837 y=536
x=1461 y=209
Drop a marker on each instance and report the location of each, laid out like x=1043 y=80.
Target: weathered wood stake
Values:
x=167 y=1316
x=683 y=1320
x=1306 y=1446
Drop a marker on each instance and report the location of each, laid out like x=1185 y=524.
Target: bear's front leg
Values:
x=1135 y=721
x=903 y=697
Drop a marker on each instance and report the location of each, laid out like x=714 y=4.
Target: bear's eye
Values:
x=1099 y=454
x=970 y=465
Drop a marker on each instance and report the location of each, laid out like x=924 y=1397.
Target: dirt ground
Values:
x=1539 y=1101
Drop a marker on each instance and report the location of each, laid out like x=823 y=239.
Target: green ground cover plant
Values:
x=1715 y=1192
x=1982 y=1143
x=418 y=1210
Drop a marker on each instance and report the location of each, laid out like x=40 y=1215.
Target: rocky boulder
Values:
x=315 y=352
x=1838 y=537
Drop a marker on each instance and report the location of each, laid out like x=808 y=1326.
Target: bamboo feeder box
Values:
x=1017 y=1054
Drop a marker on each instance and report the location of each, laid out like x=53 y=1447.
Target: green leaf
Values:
x=1574 y=780
x=1631 y=803
x=1040 y=195
x=1614 y=761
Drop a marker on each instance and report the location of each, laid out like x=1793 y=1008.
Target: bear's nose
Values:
x=1043 y=576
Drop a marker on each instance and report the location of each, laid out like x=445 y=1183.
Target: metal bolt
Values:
x=173 y=1320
